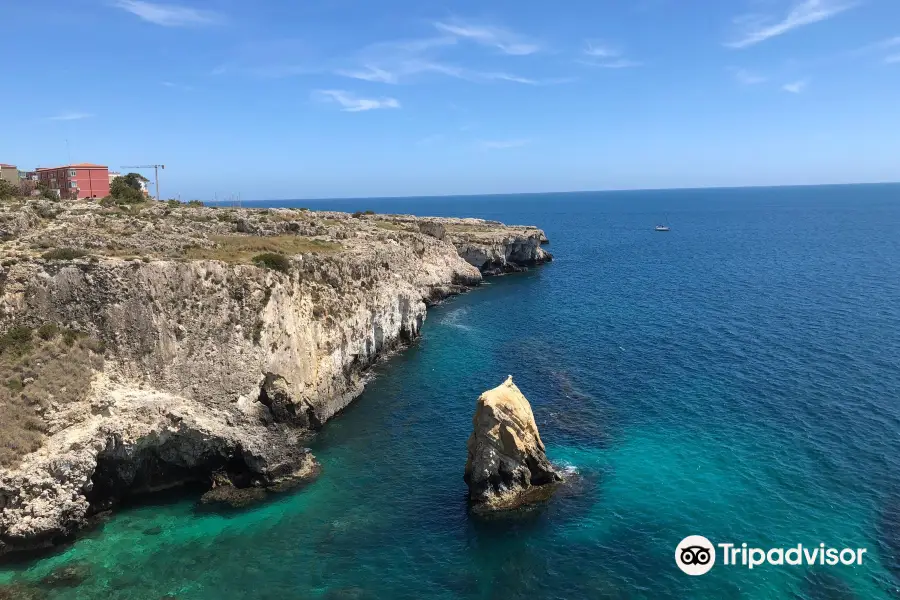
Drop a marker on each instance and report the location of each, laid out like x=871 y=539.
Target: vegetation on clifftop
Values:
x=271 y=260
x=246 y=248
x=40 y=369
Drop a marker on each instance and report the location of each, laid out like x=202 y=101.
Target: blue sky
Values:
x=330 y=98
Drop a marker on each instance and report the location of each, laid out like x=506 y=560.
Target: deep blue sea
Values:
x=737 y=378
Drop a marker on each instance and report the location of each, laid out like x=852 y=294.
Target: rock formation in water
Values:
x=506 y=465
x=221 y=338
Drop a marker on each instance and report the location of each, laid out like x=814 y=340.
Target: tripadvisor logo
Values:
x=696 y=555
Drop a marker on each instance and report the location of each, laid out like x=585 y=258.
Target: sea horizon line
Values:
x=567 y=192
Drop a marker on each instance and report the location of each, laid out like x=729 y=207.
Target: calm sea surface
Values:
x=737 y=378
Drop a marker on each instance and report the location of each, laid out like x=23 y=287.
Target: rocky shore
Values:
x=209 y=342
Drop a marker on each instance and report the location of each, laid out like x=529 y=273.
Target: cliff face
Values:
x=218 y=360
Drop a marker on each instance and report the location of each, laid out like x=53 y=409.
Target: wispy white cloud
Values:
x=169 y=15
x=600 y=50
x=400 y=61
x=619 y=63
x=502 y=144
x=756 y=28
x=407 y=69
x=395 y=62
x=371 y=73
x=796 y=87
x=479 y=76
x=884 y=47
x=605 y=56
x=504 y=40
x=745 y=77
x=70 y=116
x=877 y=46
x=414 y=45
x=349 y=102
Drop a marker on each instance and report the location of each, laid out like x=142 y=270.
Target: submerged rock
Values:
x=21 y=591
x=507 y=465
x=70 y=575
x=228 y=495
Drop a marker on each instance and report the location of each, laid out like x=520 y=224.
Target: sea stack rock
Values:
x=507 y=465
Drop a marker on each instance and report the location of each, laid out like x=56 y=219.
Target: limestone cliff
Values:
x=227 y=336
x=506 y=465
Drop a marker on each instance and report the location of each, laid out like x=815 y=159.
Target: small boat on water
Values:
x=662 y=228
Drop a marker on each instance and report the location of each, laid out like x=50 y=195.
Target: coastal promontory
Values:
x=147 y=346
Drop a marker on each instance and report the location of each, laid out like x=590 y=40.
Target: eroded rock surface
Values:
x=507 y=465
x=216 y=366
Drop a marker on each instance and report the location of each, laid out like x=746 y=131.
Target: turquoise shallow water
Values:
x=737 y=378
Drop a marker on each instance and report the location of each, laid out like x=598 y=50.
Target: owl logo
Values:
x=695 y=555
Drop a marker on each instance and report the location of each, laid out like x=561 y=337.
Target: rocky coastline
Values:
x=220 y=340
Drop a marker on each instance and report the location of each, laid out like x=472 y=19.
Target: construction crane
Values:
x=155 y=168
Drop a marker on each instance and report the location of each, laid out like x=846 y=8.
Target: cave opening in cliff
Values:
x=159 y=469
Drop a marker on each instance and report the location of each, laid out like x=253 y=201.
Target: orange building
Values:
x=83 y=180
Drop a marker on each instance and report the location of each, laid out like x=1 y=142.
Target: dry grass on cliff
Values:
x=39 y=371
x=468 y=228
x=391 y=226
x=242 y=248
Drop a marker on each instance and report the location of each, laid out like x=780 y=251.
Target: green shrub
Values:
x=8 y=190
x=64 y=254
x=70 y=336
x=173 y=203
x=16 y=340
x=270 y=260
x=123 y=193
x=195 y=203
x=48 y=331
